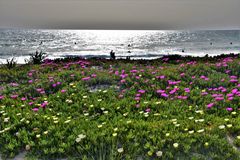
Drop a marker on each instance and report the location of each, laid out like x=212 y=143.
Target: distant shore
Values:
x=22 y=60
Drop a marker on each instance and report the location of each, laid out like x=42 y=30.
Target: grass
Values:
x=170 y=108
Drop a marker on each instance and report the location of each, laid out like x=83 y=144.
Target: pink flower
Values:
x=42 y=92
x=63 y=91
x=204 y=93
x=30 y=81
x=182 y=74
x=187 y=90
x=31 y=103
x=123 y=81
x=229 y=109
x=233 y=77
x=138 y=95
x=116 y=72
x=230 y=95
x=58 y=83
x=210 y=105
x=148 y=110
x=14 y=96
x=141 y=91
x=120 y=96
x=230 y=98
x=234 y=91
x=39 y=89
x=93 y=75
x=86 y=78
x=23 y=98
x=137 y=98
x=1 y=97
x=160 y=91
x=219 y=98
x=164 y=95
x=44 y=104
x=233 y=80
x=206 y=79
x=134 y=71
x=35 y=109
x=54 y=85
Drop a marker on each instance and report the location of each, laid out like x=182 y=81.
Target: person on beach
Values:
x=112 y=54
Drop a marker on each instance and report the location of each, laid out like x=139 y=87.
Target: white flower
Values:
x=38 y=136
x=174 y=120
x=200 y=131
x=191 y=132
x=105 y=112
x=238 y=137
x=128 y=122
x=6 y=119
x=99 y=126
x=226 y=119
x=80 y=137
x=46 y=132
x=27 y=147
x=233 y=113
x=177 y=125
x=120 y=150
x=206 y=144
x=221 y=126
x=229 y=125
x=175 y=145
x=67 y=121
x=167 y=134
x=159 y=153
x=6 y=129
x=114 y=134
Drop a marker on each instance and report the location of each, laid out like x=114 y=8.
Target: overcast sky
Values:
x=120 y=14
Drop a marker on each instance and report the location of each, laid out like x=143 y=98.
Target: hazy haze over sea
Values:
x=91 y=43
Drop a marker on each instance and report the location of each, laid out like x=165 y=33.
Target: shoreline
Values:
x=22 y=59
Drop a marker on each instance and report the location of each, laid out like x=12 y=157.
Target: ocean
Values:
x=144 y=44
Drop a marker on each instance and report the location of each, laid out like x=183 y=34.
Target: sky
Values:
x=120 y=14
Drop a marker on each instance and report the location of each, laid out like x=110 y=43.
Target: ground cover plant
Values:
x=169 y=108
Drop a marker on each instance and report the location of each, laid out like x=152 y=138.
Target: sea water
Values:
x=143 y=44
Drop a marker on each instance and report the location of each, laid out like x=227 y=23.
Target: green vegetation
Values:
x=170 y=108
